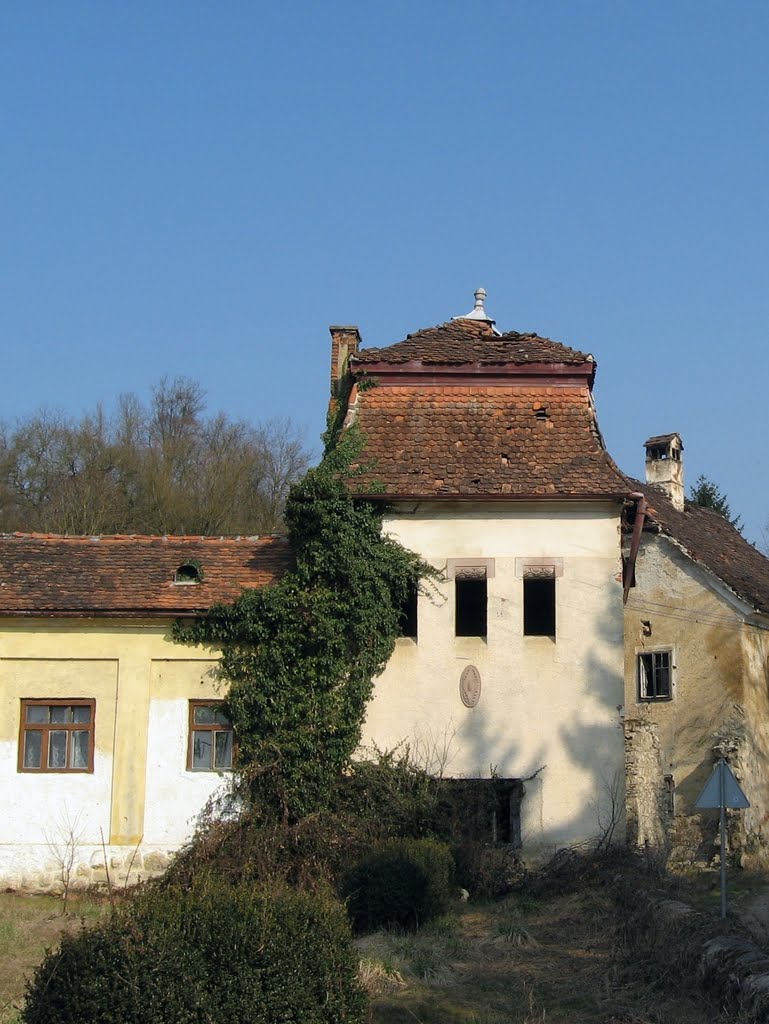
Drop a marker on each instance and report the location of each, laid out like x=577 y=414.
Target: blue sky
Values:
x=198 y=188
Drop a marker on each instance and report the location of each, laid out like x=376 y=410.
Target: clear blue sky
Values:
x=201 y=188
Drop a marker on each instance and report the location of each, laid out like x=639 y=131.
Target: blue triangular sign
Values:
x=721 y=789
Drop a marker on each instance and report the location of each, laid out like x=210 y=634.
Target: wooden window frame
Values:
x=46 y=728
x=642 y=676
x=193 y=727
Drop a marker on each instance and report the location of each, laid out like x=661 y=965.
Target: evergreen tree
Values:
x=707 y=494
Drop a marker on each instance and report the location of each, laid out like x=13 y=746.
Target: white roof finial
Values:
x=478 y=312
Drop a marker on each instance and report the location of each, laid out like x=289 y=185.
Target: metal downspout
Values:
x=638 y=525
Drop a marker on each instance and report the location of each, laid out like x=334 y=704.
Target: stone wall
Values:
x=47 y=870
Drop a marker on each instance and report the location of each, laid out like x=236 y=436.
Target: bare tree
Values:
x=163 y=468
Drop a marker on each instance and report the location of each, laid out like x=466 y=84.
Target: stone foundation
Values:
x=35 y=869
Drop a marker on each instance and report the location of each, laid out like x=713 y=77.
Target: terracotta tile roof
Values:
x=465 y=341
x=712 y=541
x=130 y=575
x=511 y=441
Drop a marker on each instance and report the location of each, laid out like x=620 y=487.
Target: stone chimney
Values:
x=344 y=343
x=665 y=466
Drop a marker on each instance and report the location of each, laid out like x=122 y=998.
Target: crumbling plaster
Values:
x=719 y=701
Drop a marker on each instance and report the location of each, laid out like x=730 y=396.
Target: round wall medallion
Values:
x=470 y=686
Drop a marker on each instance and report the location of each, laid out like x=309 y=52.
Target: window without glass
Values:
x=211 y=744
x=407 y=623
x=470 y=606
x=539 y=606
x=56 y=736
x=655 y=676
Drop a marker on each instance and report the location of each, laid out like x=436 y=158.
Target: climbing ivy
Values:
x=300 y=656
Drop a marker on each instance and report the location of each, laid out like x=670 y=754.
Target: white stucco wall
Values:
x=546 y=707
x=175 y=796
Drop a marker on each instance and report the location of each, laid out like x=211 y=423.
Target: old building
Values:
x=696 y=666
x=522 y=663
x=111 y=740
x=486 y=448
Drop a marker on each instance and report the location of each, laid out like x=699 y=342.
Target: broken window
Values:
x=470 y=606
x=655 y=675
x=539 y=604
x=407 y=621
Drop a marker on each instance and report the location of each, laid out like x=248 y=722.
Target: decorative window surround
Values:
x=538 y=568
x=470 y=568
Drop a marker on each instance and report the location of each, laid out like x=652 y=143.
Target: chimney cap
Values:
x=478 y=312
x=664 y=439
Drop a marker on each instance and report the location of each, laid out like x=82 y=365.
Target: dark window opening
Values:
x=188 y=572
x=470 y=610
x=542 y=414
x=539 y=606
x=670 y=789
x=654 y=676
x=407 y=621
x=484 y=810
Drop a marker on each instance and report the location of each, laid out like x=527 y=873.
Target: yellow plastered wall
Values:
x=115 y=663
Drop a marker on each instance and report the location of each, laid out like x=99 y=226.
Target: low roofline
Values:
x=100 y=613
x=506 y=497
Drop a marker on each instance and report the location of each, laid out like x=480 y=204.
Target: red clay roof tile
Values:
x=46 y=574
x=467 y=341
x=451 y=442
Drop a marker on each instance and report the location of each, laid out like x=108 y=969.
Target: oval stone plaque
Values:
x=470 y=686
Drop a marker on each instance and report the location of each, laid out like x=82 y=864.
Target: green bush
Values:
x=403 y=882
x=212 y=952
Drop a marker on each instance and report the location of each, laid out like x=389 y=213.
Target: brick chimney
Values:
x=344 y=343
x=665 y=466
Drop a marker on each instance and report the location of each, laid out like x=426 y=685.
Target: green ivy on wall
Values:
x=300 y=656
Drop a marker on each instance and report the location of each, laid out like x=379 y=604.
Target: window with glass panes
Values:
x=211 y=741
x=56 y=735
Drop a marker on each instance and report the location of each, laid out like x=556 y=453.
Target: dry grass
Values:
x=532 y=958
x=28 y=926
x=550 y=960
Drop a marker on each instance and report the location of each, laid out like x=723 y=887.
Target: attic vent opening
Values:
x=189 y=573
x=541 y=414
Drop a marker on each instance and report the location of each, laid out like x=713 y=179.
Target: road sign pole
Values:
x=722 y=787
x=721 y=791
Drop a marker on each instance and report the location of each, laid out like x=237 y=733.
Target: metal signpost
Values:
x=722 y=790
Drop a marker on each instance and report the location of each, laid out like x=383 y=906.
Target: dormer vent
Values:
x=665 y=467
x=189 y=573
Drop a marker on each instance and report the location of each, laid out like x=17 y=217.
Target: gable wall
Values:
x=719 y=692
x=547 y=709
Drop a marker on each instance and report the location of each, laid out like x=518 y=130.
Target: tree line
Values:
x=164 y=467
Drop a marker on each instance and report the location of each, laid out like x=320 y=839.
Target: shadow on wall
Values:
x=573 y=775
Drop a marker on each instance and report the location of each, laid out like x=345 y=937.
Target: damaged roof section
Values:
x=457 y=410
x=466 y=341
x=44 y=574
x=711 y=540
